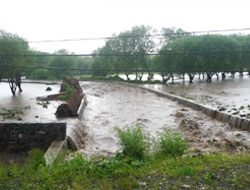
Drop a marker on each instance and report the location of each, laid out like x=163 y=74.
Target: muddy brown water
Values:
x=113 y=105
x=35 y=112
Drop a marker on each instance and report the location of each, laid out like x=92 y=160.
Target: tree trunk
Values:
x=18 y=82
x=172 y=76
x=241 y=74
x=203 y=76
x=127 y=75
x=150 y=76
x=223 y=76
x=12 y=84
x=232 y=74
x=140 y=77
x=209 y=77
x=191 y=77
x=136 y=75
x=163 y=78
x=217 y=75
x=199 y=74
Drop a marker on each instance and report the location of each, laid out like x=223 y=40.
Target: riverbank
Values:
x=197 y=171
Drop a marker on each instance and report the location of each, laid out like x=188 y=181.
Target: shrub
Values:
x=133 y=142
x=172 y=143
x=68 y=92
x=40 y=74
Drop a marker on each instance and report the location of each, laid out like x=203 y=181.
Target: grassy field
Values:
x=136 y=167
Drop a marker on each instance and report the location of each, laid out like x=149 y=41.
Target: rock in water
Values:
x=72 y=82
x=48 y=89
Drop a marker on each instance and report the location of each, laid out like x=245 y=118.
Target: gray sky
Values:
x=69 y=19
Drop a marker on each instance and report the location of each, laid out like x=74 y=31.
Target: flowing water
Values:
x=231 y=96
x=113 y=105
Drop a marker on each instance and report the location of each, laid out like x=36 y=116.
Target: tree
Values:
x=66 y=61
x=127 y=51
x=165 y=61
x=209 y=54
x=11 y=45
x=244 y=57
x=84 y=63
x=101 y=64
x=186 y=62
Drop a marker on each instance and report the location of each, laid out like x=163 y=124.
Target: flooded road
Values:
x=33 y=111
x=231 y=96
x=112 y=104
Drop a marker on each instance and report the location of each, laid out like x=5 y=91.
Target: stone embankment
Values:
x=234 y=121
x=66 y=132
x=22 y=137
x=72 y=89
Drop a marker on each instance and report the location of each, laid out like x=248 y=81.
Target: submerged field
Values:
x=230 y=95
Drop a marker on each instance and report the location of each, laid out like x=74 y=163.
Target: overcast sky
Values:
x=37 y=20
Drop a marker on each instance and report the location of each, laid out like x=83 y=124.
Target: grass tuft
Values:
x=172 y=143
x=133 y=142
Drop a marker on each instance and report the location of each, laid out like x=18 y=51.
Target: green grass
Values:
x=133 y=142
x=172 y=143
x=68 y=92
x=133 y=168
x=213 y=171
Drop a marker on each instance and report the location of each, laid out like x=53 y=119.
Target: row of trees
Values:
x=13 y=68
x=180 y=53
x=7 y=63
x=174 y=53
x=133 y=47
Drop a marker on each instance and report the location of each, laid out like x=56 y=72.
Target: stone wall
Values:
x=22 y=137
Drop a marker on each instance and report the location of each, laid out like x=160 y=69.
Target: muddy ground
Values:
x=113 y=105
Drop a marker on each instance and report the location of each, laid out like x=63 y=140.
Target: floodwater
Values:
x=231 y=95
x=32 y=110
x=113 y=105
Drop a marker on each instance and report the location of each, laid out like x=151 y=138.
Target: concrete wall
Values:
x=18 y=137
x=233 y=121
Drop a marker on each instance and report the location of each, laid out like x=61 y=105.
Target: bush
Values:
x=172 y=143
x=68 y=92
x=133 y=142
x=40 y=74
